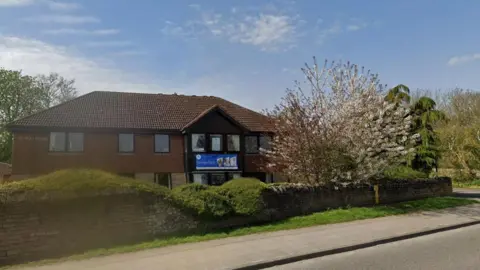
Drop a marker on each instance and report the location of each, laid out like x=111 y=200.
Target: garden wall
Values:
x=41 y=229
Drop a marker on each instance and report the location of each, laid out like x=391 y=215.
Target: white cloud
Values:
x=62 y=19
x=109 y=43
x=463 y=59
x=62 y=6
x=15 y=3
x=35 y=57
x=268 y=31
x=74 y=31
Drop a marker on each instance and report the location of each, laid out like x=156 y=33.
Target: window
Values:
x=216 y=143
x=198 y=142
x=162 y=143
x=62 y=142
x=200 y=178
x=75 y=142
x=251 y=144
x=265 y=142
x=217 y=179
x=233 y=143
x=234 y=175
x=125 y=143
x=57 y=141
x=163 y=179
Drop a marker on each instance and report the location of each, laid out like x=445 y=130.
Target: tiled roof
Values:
x=136 y=110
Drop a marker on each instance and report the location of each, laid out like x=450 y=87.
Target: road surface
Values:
x=456 y=249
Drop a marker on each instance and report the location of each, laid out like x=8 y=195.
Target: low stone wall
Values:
x=44 y=229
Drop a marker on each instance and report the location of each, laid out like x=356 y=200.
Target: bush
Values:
x=78 y=183
x=202 y=201
x=244 y=195
x=403 y=172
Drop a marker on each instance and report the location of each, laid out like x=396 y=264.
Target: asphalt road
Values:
x=456 y=249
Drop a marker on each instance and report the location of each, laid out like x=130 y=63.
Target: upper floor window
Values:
x=125 y=143
x=264 y=142
x=216 y=142
x=162 y=143
x=198 y=142
x=75 y=142
x=66 y=142
x=233 y=143
x=251 y=144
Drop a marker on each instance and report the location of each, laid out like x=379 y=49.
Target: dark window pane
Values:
x=125 y=143
x=265 y=142
x=198 y=142
x=216 y=142
x=200 y=178
x=75 y=142
x=57 y=141
x=251 y=144
x=233 y=143
x=217 y=179
x=162 y=179
x=162 y=143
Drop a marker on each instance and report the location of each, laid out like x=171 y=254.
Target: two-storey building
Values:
x=168 y=139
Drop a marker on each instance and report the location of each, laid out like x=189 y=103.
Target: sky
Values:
x=245 y=51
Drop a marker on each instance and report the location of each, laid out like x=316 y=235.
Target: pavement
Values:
x=265 y=250
x=455 y=249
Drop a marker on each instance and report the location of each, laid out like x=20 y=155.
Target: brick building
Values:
x=168 y=139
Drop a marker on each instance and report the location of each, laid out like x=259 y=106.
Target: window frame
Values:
x=239 y=143
x=155 y=143
x=66 y=144
x=210 y=144
x=133 y=143
x=257 y=144
x=204 y=146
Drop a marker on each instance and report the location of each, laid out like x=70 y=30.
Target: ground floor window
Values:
x=163 y=179
x=213 y=178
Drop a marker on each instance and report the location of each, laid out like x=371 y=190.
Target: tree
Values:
x=427 y=150
x=22 y=95
x=341 y=130
x=56 y=89
x=19 y=97
x=399 y=94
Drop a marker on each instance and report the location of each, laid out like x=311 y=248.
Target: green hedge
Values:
x=66 y=184
x=244 y=194
x=202 y=200
x=403 y=172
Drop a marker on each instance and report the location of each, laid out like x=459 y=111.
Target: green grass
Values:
x=473 y=184
x=320 y=218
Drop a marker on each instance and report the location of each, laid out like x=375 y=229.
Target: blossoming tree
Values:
x=340 y=130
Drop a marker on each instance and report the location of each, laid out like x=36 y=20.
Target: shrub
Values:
x=244 y=194
x=77 y=183
x=403 y=172
x=202 y=201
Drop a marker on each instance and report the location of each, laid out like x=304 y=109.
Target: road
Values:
x=456 y=249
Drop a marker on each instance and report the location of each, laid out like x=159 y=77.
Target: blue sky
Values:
x=247 y=51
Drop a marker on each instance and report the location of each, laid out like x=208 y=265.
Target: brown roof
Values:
x=143 y=111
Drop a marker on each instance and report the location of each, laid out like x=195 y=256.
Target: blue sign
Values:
x=216 y=162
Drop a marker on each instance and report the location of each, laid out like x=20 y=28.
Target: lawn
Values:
x=472 y=184
x=320 y=218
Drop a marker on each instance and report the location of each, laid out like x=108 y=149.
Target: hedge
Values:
x=241 y=196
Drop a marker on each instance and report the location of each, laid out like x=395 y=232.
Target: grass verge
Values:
x=320 y=218
x=473 y=184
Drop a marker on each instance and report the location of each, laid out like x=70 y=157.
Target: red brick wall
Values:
x=254 y=163
x=31 y=155
x=46 y=229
